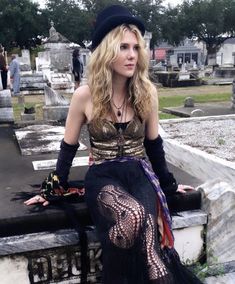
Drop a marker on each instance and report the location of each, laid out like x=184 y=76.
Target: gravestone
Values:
x=189 y=102
x=24 y=60
x=218 y=202
x=56 y=105
x=6 y=110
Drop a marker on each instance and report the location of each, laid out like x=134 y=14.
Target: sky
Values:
x=171 y=2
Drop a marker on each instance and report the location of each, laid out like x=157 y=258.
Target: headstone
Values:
x=6 y=110
x=53 y=98
x=24 y=60
x=189 y=102
x=56 y=106
x=218 y=202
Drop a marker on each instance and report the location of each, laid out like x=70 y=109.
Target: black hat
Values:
x=110 y=18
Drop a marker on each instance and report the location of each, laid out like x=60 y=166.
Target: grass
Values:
x=18 y=109
x=164 y=101
x=174 y=101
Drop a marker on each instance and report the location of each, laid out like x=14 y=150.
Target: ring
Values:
x=37 y=198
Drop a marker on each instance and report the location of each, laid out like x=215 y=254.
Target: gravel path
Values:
x=214 y=136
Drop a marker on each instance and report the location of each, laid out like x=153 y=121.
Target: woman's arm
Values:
x=154 y=149
x=75 y=119
x=151 y=128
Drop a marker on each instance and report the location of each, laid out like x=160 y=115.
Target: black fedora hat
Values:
x=110 y=18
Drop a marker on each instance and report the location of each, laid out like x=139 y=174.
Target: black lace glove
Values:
x=64 y=162
x=51 y=189
x=156 y=154
x=56 y=185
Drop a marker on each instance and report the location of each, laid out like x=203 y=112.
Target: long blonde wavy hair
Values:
x=141 y=90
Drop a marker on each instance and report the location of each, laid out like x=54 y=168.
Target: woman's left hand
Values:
x=36 y=199
x=182 y=188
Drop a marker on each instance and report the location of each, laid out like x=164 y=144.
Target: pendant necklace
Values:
x=120 y=108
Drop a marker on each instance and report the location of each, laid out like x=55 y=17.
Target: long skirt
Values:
x=123 y=205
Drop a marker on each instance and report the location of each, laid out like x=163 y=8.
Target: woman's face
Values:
x=125 y=64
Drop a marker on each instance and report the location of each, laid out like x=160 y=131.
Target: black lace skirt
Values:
x=122 y=203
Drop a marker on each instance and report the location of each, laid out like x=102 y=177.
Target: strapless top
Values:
x=110 y=141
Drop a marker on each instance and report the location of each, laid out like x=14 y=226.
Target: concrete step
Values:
x=228 y=278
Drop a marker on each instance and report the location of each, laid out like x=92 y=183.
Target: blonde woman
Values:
x=119 y=104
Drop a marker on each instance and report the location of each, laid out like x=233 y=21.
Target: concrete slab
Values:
x=16 y=177
x=208 y=109
x=228 y=278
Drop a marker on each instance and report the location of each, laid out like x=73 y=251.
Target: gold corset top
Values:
x=107 y=142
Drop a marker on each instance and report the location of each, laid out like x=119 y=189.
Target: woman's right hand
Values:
x=36 y=199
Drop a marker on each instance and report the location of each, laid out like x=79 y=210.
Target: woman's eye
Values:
x=123 y=46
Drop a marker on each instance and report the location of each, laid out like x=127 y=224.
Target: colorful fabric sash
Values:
x=163 y=217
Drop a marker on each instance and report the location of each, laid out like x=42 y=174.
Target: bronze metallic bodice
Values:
x=108 y=142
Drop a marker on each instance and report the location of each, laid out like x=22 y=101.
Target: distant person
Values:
x=77 y=68
x=15 y=75
x=3 y=69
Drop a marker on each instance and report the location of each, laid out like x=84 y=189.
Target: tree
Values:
x=151 y=12
x=171 y=29
x=91 y=8
x=210 y=21
x=19 y=23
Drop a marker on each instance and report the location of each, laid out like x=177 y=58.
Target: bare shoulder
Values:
x=82 y=93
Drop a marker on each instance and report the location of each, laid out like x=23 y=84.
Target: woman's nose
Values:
x=131 y=53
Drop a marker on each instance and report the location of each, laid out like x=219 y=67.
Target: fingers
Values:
x=182 y=188
x=36 y=199
x=81 y=191
x=46 y=203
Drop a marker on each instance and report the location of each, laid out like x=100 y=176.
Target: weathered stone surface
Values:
x=228 y=278
x=198 y=145
x=189 y=219
x=5 y=99
x=197 y=112
x=189 y=102
x=56 y=113
x=6 y=114
x=53 y=98
x=27 y=116
x=38 y=139
x=219 y=203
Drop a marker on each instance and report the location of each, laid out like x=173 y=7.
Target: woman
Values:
x=119 y=105
x=77 y=68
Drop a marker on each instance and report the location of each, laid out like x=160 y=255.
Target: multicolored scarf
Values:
x=163 y=217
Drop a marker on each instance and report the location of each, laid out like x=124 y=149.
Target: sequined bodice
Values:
x=109 y=142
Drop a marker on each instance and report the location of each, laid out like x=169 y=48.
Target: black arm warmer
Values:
x=156 y=154
x=64 y=161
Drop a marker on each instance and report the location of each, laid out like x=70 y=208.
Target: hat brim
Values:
x=111 y=23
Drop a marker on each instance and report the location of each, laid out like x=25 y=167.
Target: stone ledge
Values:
x=42 y=240
x=65 y=237
x=186 y=219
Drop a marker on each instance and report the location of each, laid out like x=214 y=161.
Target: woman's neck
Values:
x=119 y=89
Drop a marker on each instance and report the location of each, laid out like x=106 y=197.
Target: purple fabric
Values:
x=155 y=182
